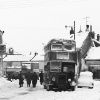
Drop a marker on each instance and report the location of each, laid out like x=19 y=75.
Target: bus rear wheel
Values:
x=45 y=87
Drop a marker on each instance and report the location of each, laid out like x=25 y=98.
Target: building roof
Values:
x=16 y=58
x=23 y=58
x=94 y=53
x=80 y=37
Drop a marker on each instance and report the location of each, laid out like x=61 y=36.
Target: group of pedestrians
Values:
x=30 y=77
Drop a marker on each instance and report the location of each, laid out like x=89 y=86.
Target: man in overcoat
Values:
x=34 y=78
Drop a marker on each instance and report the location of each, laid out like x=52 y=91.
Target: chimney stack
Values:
x=90 y=28
x=87 y=28
x=1 y=33
x=98 y=37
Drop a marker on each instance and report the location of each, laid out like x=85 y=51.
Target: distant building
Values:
x=93 y=61
x=37 y=64
x=14 y=63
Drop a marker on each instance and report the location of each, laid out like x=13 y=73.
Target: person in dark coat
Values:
x=34 y=78
x=21 y=79
x=28 y=78
x=9 y=77
x=41 y=77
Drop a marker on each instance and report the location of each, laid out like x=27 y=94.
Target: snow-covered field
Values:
x=11 y=91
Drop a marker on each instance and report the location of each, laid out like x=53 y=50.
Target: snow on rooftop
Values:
x=16 y=58
x=23 y=58
x=80 y=37
x=93 y=53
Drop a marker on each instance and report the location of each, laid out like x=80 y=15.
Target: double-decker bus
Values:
x=60 y=61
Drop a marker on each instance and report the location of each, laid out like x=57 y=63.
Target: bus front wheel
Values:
x=73 y=88
x=45 y=87
x=48 y=87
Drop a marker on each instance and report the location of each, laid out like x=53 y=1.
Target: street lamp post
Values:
x=1 y=51
x=35 y=54
x=74 y=30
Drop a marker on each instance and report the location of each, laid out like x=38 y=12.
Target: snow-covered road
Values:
x=11 y=91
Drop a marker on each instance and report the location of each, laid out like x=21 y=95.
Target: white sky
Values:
x=29 y=24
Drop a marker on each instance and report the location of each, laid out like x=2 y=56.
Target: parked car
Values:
x=86 y=80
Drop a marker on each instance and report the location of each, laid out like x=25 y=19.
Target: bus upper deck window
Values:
x=69 y=47
x=56 y=47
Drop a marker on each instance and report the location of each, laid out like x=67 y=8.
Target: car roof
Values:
x=87 y=73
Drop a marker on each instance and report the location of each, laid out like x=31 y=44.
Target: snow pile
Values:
x=13 y=92
x=16 y=58
x=4 y=81
x=39 y=93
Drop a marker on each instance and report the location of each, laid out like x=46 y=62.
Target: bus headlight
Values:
x=69 y=80
x=73 y=83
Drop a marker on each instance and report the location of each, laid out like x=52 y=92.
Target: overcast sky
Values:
x=29 y=24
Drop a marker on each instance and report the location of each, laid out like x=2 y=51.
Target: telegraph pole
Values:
x=74 y=30
x=1 y=41
x=2 y=52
